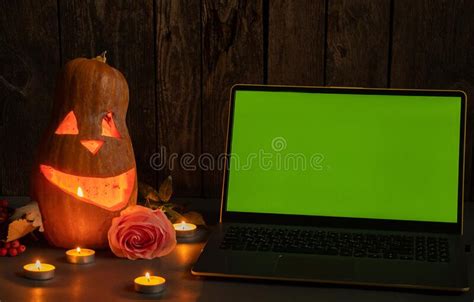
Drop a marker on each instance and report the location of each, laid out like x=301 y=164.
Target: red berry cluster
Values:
x=13 y=248
x=3 y=210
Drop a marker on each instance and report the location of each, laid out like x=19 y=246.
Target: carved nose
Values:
x=92 y=145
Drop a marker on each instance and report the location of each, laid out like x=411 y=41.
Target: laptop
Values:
x=351 y=186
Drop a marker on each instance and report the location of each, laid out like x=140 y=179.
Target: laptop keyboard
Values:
x=348 y=244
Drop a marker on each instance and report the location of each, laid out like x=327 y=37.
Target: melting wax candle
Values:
x=80 y=256
x=39 y=271
x=149 y=284
x=184 y=229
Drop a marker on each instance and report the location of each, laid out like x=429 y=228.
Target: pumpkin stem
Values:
x=102 y=57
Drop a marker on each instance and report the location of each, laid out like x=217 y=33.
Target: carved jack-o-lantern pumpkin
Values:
x=86 y=172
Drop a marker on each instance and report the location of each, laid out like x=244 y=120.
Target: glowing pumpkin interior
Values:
x=108 y=126
x=110 y=193
x=68 y=126
x=92 y=145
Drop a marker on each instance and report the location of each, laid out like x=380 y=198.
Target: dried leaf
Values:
x=173 y=216
x=32 y=214
x=148 y=192
x=153 y=205
x=19 y=228
x=166 y=189
x=194 y=217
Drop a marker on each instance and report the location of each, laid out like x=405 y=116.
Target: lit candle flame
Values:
x=183 y=225
x=38 y=265
x=78 y=250
x=147 y=276
x=79 y=192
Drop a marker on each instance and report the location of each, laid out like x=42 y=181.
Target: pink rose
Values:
x=140 y=232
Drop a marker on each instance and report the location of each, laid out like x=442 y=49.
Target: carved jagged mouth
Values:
x=110 y=193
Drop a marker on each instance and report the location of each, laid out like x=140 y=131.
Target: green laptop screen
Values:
x=345 y=155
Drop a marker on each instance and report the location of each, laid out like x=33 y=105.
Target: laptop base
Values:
x=391 y=273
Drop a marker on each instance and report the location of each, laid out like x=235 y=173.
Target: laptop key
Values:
x=332 y=251
x=390 y=256
x=360 y=254
x=238 y=247
x=345 y=252
x=251 y=247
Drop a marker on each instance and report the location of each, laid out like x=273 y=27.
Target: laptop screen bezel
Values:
x=328 y=221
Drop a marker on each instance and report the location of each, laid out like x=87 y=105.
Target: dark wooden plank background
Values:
x=296 y=42
x=178 y=90
x=29 y=61
x=181 y=57
x=358 y=35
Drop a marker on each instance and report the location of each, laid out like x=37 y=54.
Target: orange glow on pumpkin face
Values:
x=110 y=193
x=68 y=126
x=92 y=145
x=80 y=193
x=108 y=126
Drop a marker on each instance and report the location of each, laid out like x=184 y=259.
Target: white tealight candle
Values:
x=39 y=271
x=184 y=229
x=149 y=284
x=80 y=256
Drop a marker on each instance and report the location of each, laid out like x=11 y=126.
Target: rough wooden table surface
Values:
x=111 y=279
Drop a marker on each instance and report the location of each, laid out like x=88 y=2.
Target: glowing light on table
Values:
x=185 y=229
x=80 y=256
x=149 y=284
x=39 y=271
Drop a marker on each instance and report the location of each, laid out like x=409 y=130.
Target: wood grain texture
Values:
x=357 y=43
x=125 y=29
x=232 y=52
x=296 y=41
x=433 y=43
x=181 y=57
x=178 y=82
x=29 y=61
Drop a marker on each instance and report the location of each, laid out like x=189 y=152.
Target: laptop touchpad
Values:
x=315 y=267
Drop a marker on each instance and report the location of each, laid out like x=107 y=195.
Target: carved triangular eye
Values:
x=108 y=126
x=68 y=126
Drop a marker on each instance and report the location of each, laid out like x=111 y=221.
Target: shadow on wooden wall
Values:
x=180 y=58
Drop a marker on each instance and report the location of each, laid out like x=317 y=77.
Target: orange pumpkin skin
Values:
x=92 y=151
